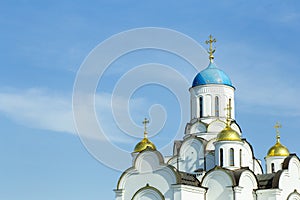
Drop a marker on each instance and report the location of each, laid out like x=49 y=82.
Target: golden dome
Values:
x=228 y=134
x=278 y=150
x=144 y=144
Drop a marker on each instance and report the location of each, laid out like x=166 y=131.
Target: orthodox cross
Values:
x=277 y=127
x=211 y=51
x=228 y=108
x=145 y=122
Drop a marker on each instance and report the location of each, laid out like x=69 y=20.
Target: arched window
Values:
x=221 y=157
x=272 y=168
x=241 y=157
x=201 y=106
x=231 y=158
x=217 y=106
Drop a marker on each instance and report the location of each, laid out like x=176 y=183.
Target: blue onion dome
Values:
x=211 y=75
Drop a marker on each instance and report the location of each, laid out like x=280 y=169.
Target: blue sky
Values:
x=43 y=44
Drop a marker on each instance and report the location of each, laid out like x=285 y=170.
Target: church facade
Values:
x=212 y=161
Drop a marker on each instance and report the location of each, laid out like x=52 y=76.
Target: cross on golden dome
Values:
x=211 y=51
x=145 y=142
x=228 y=115
x=228 y=134
x=277 y=127
x=145 y=122
x=278 y=149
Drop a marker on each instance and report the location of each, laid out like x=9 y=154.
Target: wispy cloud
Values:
x=46 y=110
x=36 y=108
x=290 y=17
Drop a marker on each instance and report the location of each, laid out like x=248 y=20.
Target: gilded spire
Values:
x=145 y=122
x=228 y=115
x=211 y=51
x=277 y=127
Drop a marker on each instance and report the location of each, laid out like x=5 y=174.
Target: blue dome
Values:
x=211 y=75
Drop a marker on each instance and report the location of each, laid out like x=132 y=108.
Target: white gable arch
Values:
x=294 y=196
x=198 y=127
x=219 y=184
x=236 y=127
x=210 y=145
x=294 y=167
x=191 y=155
x=148 y=193
x=216 y=126
x=148 y=161
x=248 y=183
x=248 y=179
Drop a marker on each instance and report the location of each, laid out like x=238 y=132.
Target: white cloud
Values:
x=289 y=17
x=37 y=108
x=45 y=110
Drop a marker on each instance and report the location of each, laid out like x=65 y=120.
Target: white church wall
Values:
x=247 y=186
x=286 y=184
x=269 y=194
x=216 y=126
x=210 y=145
x=191 y=155
x=213 y=129
x=119 y=194
x=274 y=163
x=194 y=102
x=226 y=147
x=210 y=161
x=289 y=180
x=235 y=127
x=294 y=196
x=208 y=102
x=257 y=169
x=196 y=128
x=149 y=169
x=186 y=192
x=208 y=93
x=148 y=193
x=219 y=185
x=247 y=156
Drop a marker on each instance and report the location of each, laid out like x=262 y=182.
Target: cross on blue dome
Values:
x=211 y=75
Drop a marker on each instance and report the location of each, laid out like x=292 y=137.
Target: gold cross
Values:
x=145 y=122
x=277 y=127
x=211 y=51
x=229 y=109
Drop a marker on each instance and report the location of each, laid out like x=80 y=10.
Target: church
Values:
x=212 y=161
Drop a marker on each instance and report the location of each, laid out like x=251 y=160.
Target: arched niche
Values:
x=148 y=193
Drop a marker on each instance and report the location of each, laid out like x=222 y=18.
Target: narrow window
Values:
x=240 y=157
x=201 y=106
x=217 y=106
x=221 y=157
x=231 y=160
x=272 y=167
